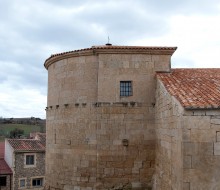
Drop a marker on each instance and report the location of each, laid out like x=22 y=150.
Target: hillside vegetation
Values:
x=5 y=129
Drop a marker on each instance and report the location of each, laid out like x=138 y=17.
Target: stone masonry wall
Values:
x=138 y=68
x=21 y=172
x=201 y=149
x=120 y=164
x=187 y=151
x=95 y=138
x=168 y=116
x=91 y=153
x=73 y=80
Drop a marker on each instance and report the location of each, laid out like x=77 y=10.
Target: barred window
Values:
x=125 y=88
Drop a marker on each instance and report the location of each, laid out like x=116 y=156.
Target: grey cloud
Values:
x=20 y=76
x=180 y=7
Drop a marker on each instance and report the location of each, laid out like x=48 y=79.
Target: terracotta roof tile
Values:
x=194 y=88
x=37 y=144
x=4 y=168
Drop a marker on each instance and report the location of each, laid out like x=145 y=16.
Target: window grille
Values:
x=126 y=88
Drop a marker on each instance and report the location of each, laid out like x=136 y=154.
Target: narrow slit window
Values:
x=126 y=88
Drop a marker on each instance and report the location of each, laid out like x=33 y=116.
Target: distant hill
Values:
x=28 y=125
x=27 y=120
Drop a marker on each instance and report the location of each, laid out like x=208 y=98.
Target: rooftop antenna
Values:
x=108 y=44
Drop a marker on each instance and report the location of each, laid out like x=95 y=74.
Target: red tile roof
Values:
x=37 y=144
x=117 y=47
x=4 y=168
x=194 y=88
x=2 y=149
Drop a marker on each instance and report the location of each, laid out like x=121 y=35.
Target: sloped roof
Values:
x=37 y=144
x=194 y=88
x=4 y=168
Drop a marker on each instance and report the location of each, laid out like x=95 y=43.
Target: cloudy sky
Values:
x=32 y=30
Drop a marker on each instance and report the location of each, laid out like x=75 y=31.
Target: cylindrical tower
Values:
x=100 y=117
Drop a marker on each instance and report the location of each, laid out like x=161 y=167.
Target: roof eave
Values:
x=95 y=50
x=27 y=151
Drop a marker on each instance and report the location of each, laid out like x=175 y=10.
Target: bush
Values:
x=16 y=133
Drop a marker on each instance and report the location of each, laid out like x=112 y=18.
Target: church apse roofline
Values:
x=111 y=49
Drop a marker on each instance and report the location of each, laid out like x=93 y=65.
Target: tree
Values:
x=16 y=133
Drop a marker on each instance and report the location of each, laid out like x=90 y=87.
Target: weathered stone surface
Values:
x=217 y=148
x=98 y=139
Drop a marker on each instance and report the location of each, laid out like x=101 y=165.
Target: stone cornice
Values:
x=95 y=50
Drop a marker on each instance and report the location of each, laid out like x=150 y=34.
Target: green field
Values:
x=6 y=128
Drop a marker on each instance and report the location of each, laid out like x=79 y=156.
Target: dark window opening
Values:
x=126 y=88
x=29 y=159
x=3 y=181
x=37 y=182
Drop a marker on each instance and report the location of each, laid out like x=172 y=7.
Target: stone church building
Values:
x=119 y=117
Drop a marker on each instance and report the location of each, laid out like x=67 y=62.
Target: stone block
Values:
x=84 y=179
x=200 y=148
x=186 y=185
x=217 y=148
x=136 y=185
x=186 y=134
x=217 y=136
x=196 y=122
x=166 y=144
x=203 y=135
x=86 y=188
x=84 y=163
x=92 y=179
x=138 y=164
x=71 y=187
x=187 y=162
x=109 y=171
x=199 y=113
x=213 y=112
x=215 y=120
x=135 y=170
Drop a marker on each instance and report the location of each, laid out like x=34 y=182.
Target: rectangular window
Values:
x=3 y=181
x=30 y=160
x=37 y=182
x=22 y=183
x=126 y=88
